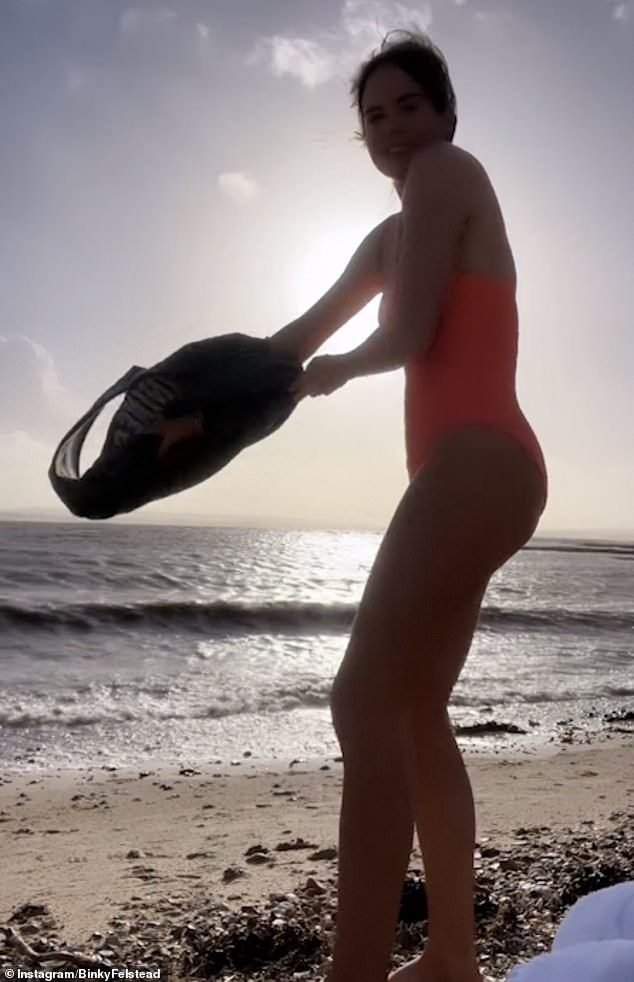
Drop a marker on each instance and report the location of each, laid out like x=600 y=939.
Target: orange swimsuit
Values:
x=467 y=376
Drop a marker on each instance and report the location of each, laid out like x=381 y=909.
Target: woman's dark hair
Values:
x=423 y=61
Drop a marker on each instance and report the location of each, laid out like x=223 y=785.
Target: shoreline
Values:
x=92 y=845
x=500 y=733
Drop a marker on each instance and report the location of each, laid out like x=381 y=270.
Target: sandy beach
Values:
x=92 y=844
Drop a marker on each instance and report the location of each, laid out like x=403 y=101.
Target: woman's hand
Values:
x=322 y=375
x=175 y=430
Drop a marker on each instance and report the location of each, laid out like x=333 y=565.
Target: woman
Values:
x=477 y=489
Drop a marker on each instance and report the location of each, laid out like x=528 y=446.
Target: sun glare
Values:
x=319 y=266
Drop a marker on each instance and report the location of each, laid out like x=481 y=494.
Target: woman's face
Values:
x=398 y=119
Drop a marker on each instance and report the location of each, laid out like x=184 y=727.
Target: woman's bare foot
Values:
x=420 y=969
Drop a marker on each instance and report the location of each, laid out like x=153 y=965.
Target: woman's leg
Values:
x=400 y=769
x=445 y=824
x=459 y=521
x=375 y=841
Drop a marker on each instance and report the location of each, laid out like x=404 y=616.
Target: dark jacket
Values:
x=238 y=384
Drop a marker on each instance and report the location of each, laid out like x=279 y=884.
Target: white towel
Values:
x=601 y=916
x=594 y=961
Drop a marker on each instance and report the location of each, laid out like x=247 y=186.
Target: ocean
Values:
x=126 y=646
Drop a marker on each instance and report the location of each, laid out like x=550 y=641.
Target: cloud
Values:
x=75 y=79
x=32 y=398
x=238 y=186
x=623 y=11
x=317 y=60
x=161 y=25
x=171 y=43
x=308 y=60
x=134 y=21
x=368 y=22
x=492 y=17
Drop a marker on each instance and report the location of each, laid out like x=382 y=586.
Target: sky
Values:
x=178 y=170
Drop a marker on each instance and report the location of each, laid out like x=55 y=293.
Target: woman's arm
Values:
x=327 y=373
x=361 y=280
x=436 y=204
x=382 y=351
x=294 y=341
